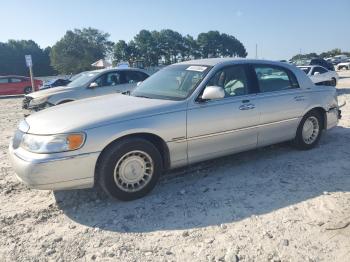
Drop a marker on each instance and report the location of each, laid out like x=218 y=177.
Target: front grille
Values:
x=26 y=101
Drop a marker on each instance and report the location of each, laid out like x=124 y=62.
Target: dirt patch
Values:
x=271 y=204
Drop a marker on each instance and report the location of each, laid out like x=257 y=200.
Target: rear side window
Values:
x=274 y=78
x=319 y=70
x=134 y=76
x=4 y=80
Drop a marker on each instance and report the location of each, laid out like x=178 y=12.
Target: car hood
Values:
x=51 y=91
x=97 y=111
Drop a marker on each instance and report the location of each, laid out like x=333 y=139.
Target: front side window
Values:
x=175 y=82
x=319 y=70
x=274 y=78
x=83 y=79
x=4 y=80
x=232 y=79
x=109 y=79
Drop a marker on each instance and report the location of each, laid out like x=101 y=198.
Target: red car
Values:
x=14 y=85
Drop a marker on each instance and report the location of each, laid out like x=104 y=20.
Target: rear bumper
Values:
x=333 y=116
x=54 y=173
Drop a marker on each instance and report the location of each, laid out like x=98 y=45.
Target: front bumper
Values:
x=26 y=105
x=53 y=172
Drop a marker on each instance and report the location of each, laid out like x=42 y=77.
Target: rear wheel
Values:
x=309 y=131
x=129 y=169
x=27 y=90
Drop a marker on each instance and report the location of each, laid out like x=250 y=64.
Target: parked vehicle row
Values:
x=185 y=113
x=86 y=84
x=16 y=85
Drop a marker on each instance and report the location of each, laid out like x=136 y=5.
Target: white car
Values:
x=320 y=75
x=344 y=65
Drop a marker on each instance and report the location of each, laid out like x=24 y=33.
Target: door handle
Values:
x=299 y=98
x=247 y=107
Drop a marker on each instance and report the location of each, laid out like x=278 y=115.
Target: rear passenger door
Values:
x=282 y=103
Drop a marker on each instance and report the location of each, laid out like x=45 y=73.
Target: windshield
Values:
x=174 y=82
x=305 y=69
x=82 y=79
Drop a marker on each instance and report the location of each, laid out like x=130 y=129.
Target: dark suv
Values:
x=322 y=62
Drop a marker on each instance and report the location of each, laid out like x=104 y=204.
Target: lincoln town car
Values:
x=185 y=113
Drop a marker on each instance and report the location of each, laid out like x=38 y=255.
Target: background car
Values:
x=320 y=75
x=54 y=83
x=86 y=84
x=344 y=65
x=322 y=62
x=16 y=85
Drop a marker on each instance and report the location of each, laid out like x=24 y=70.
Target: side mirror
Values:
x=316 y=73
x=213 y=93
x=93 y=85
x=139 y=83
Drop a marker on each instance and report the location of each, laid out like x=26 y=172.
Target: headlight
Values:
x=52 y=143
x=38 y=101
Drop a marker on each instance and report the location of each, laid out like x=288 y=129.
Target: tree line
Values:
x=79 y=48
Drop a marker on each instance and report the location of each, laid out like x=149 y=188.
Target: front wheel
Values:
x=309 y=131
x=129 y=169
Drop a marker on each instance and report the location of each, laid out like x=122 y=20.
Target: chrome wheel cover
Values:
x=133 y=171
x=311 y=129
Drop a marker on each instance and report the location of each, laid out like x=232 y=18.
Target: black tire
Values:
x=105 y=171
x=333 y=82
x=299 y=141
x=65 y=101
x=27 y=90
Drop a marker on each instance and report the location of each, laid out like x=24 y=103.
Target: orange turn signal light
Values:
x=75 y=141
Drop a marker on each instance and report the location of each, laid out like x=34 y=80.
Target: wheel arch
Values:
x=156 y=140
x=321 y=111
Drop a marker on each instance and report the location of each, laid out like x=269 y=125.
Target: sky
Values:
x=279 y=28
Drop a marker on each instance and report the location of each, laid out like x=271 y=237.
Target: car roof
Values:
x=231 y=60
x=119 y=69
x=6 y=76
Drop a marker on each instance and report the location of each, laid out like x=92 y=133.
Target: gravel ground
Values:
x=270 y=204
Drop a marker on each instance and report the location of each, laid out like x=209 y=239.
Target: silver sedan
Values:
x=86 y=84
x=185 y=113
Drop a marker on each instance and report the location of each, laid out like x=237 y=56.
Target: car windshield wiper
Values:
x=126 y=93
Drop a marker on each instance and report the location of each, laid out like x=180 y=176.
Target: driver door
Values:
x=108 y=83
x=220 y=127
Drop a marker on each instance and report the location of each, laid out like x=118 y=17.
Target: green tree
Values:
x=12 y=58
x=78 y=49
x=214 y=44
